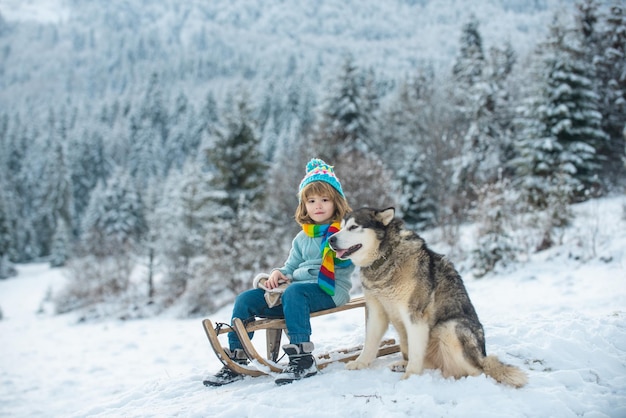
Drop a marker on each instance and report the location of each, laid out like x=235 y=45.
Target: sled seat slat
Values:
x=279 y=323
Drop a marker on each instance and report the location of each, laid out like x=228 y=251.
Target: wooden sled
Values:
x=274 y=329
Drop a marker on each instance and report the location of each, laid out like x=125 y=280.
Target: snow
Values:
x=49 y=11
x=560 y=316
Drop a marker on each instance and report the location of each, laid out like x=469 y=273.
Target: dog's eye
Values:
x=352 y=228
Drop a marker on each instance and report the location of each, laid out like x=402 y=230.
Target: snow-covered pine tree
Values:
x=6 y=241
x=255 y=233
x=560 y=124
x=149 y=131
x=61 y=246
x=366 y=180
x=7 y=202
x=301 y=99
x=558 y=129
x=470 y=63
x=573 y=114
x=181 y=223
x=404 y=121
x=495 y=209
x=184 y=134
x=403 y=148
x=373 y=91
x=89 y=164
x=114 y=220
x=175 y=147
x=235 y=155
x=283 y=178
x=341 y=135
x=146 y=159
x=538 y=154
x=418 y=122
x=53 y=190
x=240 y=177
x=471 y=96
x=185 y=216
x=417 y=203
x=208 y=115
x=504 y=87
x=115 y=123
x=252 y=243
x=395 y=130
x=4 y=139
x=343 y=124
x=112 y=227
x=20 y=176
x=609 y=55
x=480 y=94
x=153 y=108
x=148 y=243
x=269 y=139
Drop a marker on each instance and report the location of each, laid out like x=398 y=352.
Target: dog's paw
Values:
x=412 y=369
x=356 y=365
x=398 y=366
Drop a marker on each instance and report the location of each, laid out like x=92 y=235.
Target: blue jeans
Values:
x=298 y=301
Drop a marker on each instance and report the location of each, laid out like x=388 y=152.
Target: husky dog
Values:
x=420 y=292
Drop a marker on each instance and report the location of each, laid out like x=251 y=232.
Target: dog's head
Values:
x=361 y=234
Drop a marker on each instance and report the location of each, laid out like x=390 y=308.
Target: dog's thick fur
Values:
x=421 y=294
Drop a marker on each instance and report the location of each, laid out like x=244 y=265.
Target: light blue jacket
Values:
x=304 y=263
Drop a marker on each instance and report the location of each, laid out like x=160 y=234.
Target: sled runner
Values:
x=212 y=334
x=274 y=329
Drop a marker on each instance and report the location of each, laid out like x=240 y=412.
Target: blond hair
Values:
x=321 y=188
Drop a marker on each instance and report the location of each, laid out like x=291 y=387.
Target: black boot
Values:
x=226 y=375
x=301 y=363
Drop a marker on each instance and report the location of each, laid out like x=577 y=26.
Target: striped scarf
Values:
x=326 y=276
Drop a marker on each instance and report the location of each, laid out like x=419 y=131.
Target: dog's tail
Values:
x=504 y=373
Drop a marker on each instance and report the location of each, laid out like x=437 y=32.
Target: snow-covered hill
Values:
x=98 y=50
x=561 y=316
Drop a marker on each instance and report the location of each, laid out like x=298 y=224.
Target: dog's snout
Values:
x=332 y=240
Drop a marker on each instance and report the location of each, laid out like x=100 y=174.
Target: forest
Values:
x=160 y=175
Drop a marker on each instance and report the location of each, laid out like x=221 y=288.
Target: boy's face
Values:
x=320 y=208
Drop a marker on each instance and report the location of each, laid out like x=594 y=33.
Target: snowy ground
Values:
x=560 y=319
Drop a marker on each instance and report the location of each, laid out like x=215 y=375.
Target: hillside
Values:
x=559 y=316
x=84 y=50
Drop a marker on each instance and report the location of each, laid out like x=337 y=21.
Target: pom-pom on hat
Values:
x=318 y=170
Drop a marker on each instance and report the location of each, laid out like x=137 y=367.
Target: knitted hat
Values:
x=318 y=170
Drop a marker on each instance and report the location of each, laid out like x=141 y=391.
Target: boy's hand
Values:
x=275 y=279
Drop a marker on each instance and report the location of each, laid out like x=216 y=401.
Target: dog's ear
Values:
x=386 y=215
